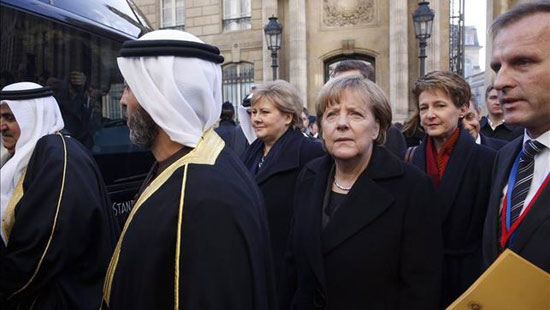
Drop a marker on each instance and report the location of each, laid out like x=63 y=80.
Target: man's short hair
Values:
x=488 y=90
x=450 y=83
x=365 y=68
x=517 y=13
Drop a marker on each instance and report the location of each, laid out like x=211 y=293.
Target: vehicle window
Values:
x=81 y=68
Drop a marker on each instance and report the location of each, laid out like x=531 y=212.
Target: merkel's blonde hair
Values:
x=365 y=90
x=284 y=96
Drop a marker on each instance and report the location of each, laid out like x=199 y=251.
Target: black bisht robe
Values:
x=197 y=238
x=63 y=235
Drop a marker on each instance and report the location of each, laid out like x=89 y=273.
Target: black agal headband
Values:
x=136 y=48
x=26 y=94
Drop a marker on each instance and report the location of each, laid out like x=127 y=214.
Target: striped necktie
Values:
x=523 y=177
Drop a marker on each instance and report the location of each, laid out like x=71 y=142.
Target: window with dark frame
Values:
x=238 y=79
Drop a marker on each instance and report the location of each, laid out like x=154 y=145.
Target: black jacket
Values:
x=492 y=143
x=233 y=136
x=381 y=250
x=464 y=195
x=395 y=141
x=533 y=236
x=504 y=131
x=277 y=181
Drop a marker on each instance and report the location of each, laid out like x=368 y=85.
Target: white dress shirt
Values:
x=541 y=169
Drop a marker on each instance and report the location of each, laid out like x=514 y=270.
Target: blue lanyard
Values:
x=511 y=183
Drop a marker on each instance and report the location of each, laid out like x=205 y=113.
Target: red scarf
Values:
x=436 y=162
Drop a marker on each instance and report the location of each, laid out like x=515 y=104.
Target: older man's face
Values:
x=521 y=61
x=470 y=121
x=10 y=128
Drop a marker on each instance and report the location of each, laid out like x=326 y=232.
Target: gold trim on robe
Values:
x=205 y=153
x=9 y=214
x=55 y=217
x=178 y=242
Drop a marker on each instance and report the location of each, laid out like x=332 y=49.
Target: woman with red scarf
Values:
x=461 y=172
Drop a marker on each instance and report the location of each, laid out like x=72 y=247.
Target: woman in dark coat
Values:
x=461 y=172
x=278 y=155
x=366 y=234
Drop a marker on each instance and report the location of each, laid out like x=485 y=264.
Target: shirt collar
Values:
x=544 y=138
x=494 y=126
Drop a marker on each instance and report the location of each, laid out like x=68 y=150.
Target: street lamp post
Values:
x=273 y=32
x=423 y=20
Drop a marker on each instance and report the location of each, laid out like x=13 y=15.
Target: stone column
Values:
x=433 y=50
x=296 y=31
x=269 y=7
x=399 y=64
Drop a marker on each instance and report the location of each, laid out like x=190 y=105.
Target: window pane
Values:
x=167 y=18
x=237 y=80
x=180 y=16
x=81 y=69
x=245 y=8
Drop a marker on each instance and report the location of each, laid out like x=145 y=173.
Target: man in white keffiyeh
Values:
x=57 y=228
x=196 y=237
x=23 y=123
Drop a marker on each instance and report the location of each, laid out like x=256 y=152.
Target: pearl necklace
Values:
x=346 y=189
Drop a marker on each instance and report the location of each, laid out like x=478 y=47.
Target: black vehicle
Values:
x=71 y=46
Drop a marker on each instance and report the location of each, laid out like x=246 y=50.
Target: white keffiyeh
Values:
x=182 y=94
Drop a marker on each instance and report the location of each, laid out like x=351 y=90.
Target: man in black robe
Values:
x=58 y=231
x=196 y=237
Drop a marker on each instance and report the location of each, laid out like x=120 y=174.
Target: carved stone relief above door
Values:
x=340 y=13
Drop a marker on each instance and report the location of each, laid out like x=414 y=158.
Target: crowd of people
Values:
x=275 y=213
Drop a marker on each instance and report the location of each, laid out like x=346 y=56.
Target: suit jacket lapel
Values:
x=453 y=176
x=537 y=215
x=283 y=161
x=504 y=166
x=501 y=171
x=312 y=217
x=419 y=158
x=364 y=203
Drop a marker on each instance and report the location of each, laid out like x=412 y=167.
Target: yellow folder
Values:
x=510 y=283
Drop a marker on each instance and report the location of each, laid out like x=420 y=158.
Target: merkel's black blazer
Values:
x=533 y=236
x=464 y=194
x=277 y=180
x=492 y=143
x=382 y=248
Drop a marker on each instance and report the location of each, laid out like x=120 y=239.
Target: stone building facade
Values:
x=316 y=35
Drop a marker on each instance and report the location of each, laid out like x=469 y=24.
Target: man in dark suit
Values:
x=518 y=215
x=493 y=125
x=470 y=121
